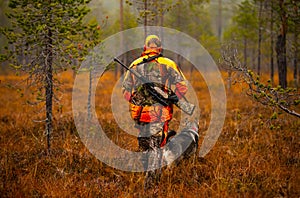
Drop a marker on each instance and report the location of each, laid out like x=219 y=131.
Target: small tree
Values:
x=244 y=27
x=44 y=37
x=285 y=99
x=151 y=12
x=243 y=32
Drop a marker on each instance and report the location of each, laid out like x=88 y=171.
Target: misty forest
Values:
x=48 y=47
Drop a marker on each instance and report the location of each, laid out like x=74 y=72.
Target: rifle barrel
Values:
x=118 y=61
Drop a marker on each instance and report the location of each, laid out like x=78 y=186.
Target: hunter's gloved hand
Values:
x=173 y=98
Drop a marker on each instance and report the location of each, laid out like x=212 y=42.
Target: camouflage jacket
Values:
x=161 y=71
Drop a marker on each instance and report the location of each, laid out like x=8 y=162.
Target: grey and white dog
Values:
x=182 y=145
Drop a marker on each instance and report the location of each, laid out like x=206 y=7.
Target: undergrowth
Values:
x=250 y=159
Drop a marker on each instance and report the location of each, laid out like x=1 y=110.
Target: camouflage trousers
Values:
x=149 y=144
x=151 y=159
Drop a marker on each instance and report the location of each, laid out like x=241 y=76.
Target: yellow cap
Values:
x=152 y=39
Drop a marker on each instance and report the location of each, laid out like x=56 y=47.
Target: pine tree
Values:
x=45 y=36
x=151 y=12
x=246 y=22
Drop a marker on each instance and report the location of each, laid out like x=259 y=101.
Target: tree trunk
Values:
x=156 y=18
x=49 y=88
x=259 y=38
x=281 y=60
x=89 y=104
x=272 y=45
x=122 y=37
x=296 y=47
x=161 y=22
x=253 y=57
x=178 y=21
x=281 y=47
x=146 y=18
x=219 y=20
x=245 y=51
x=295 y=62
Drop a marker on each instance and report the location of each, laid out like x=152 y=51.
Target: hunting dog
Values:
x=182 y=145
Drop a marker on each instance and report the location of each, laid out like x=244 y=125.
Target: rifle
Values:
x=158 y=92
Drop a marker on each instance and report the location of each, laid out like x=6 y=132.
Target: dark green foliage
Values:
x=31 y=21
x=46 y=36
x=245 y=22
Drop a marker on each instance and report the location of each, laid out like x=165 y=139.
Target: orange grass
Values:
x=249 y=159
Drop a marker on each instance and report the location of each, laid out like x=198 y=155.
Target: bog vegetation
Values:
x=249 y=159
x=257 y=153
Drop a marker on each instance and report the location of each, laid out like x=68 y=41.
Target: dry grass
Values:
x=249 y=159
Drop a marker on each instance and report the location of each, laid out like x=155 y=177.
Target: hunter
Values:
x=151 y=118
